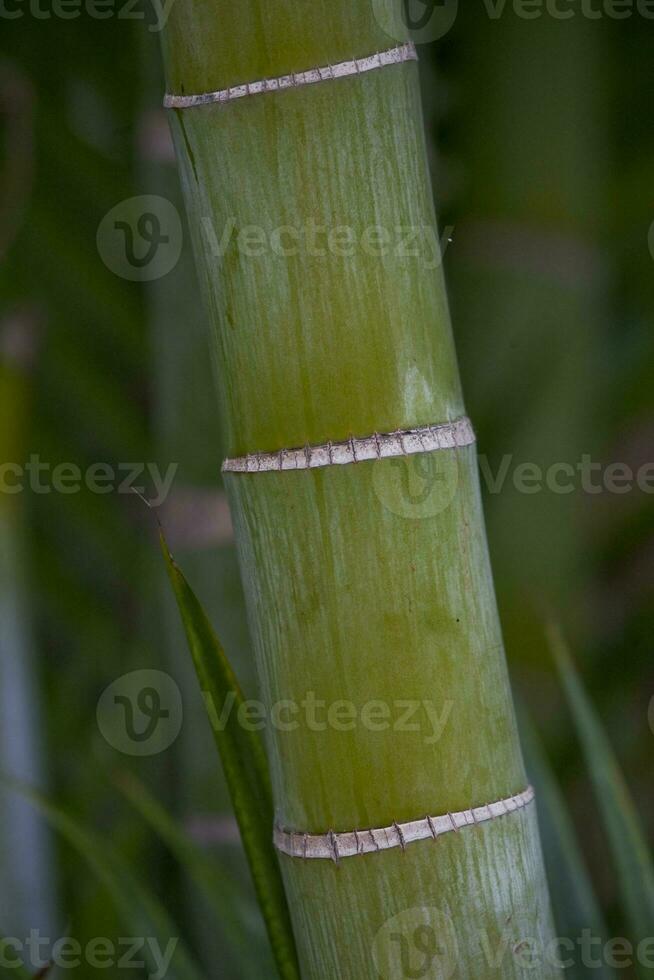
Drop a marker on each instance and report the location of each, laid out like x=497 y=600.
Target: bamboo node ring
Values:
x=336 y=846
x=357 y=66
x=380 y=445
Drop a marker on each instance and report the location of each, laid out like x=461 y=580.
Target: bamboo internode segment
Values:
x=325 y=73
x=336 y=846
x=407 y=442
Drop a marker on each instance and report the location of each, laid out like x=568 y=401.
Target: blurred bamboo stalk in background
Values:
x=26 y=870
x=362 y=590
x=529 y=286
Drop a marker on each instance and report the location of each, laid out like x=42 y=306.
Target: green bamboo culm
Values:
x=368 y=585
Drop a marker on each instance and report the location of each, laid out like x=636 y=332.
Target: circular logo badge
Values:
x=417 y=943
x=141 y=712
x=420 y=21
x=140 y=239
x=418 y=486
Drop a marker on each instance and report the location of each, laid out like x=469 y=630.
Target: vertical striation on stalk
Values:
x=368 y=584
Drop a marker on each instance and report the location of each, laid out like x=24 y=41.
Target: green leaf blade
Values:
x=245 y=767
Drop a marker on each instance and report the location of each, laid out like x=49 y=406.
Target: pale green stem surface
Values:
x=343 y=339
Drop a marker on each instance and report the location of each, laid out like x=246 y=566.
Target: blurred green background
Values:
x=542 y=150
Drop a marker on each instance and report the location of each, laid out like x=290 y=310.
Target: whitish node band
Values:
x=327 y=73
x=405 y=442
x=334 y=846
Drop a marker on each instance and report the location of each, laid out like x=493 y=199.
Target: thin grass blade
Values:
x=222 y=891
x=633 y=860
x=245 y=765
x=574 y=903
x=139 y=909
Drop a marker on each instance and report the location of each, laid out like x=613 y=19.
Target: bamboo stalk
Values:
x=368 y=584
